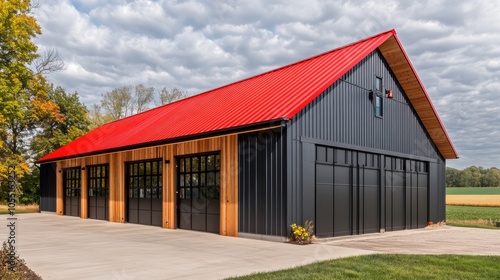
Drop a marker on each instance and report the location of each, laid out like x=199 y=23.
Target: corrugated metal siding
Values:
x=344 y=114
x=262 y=185
x=48 y=187
x=440 y=213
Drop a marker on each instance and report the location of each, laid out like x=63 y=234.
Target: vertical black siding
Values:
x=48 y=187
x=262 y=185
x=344 y=114
x=437 y=191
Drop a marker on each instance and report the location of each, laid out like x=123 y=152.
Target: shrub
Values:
x=21 y=270
x=302 y=234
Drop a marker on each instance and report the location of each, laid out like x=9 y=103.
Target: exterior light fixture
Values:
x=389 y=93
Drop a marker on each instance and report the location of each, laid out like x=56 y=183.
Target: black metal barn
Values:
x=341 y=165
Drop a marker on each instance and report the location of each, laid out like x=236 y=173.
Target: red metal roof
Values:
x=275 y=95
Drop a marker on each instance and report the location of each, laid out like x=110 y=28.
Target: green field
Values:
x=473 y=191
x=474 y=216
x=394 y=267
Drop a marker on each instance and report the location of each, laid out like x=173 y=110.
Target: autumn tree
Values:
x=24 y=102
x=54 y=134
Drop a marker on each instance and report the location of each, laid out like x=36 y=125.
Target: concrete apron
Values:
x=63 y=247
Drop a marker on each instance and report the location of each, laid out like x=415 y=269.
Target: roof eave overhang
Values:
x=271 y=124
x=405 y=73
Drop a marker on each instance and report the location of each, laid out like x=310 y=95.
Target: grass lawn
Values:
x=474 y=216
x=473 y=191
x=394 y=267
x=33 y=208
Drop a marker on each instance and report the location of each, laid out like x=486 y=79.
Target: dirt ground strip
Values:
x=435 y=240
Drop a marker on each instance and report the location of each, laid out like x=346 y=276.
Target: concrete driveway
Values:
x=62 y=247
x=438 y=240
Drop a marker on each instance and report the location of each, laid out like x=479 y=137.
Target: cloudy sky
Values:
x=200 y=45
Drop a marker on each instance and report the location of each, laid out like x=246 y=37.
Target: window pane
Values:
x=194 y=178
x=203 y=160
x=378 y=84
x=211 y=178
x=196 y=193
x=210 y=162
x=148 y=168
x=203 y=193
x=141 y=169
x=195 y=164
x=211 y=192
x=181 y=164
x=202 y=179
x=154 y=167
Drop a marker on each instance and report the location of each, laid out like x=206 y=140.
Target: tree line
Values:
x=473 y=176
x=37 y=117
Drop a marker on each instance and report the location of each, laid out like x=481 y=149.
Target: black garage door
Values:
x=348 y=192
x=145 y=192
x=72 y=189
x=406 y=187
x=198 y=192
x=98 y=188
